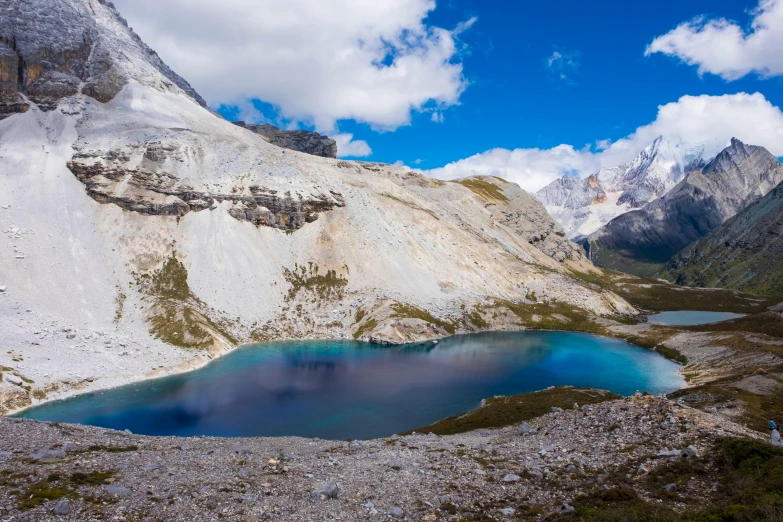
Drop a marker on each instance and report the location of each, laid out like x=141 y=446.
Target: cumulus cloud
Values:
x=710 y=121
x=347 y=146
x=721 y=47
x=317 y=62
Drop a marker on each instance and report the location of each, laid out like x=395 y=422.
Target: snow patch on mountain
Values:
x=583 y=206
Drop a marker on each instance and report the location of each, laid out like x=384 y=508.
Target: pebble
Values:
x=13 y=379
x=524 y=429
x=565 y=509
x=670 y=487
x=511 y=478
x=327 y=492
x=690 y=451
x=397 y=512
x=63 y=508
x=48 y=454
x=508 y=511
x=117 y=491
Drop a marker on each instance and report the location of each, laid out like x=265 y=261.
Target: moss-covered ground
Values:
x=504 y=411
x=747 y=477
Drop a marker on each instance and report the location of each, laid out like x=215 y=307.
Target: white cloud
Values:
x=692 y=120
x=722 y=47
x=319 y=62
x=437 y=117
x=562 y=65
x=346 y=146
x=603 y=144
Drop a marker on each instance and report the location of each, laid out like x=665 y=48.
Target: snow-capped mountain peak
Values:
x=593 y=202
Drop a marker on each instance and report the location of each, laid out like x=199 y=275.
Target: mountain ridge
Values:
x=583 y=206
x=745 y=253
x=640 y=241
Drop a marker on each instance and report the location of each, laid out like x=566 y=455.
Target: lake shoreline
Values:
x=197 y=362
x=375 y=390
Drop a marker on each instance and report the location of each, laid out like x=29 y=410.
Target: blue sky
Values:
x=514 y=100
x=539 y=81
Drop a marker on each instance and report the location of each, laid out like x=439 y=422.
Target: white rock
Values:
x=13 y=379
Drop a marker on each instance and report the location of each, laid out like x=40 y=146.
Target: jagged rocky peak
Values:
x=583 y=206
x=300 y=140
x=50 y=50
x=735 y=155
x=640 y=242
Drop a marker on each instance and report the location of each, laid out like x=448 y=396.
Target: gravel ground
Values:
x=87 y=473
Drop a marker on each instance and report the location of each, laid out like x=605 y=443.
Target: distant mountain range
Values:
x=745 y=253
x=635 y=217
x=641 y=241
x=583 y=206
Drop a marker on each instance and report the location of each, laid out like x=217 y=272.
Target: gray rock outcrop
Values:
x=51 y=50
x=641 y=241
x=298 y=140
x=148 y=190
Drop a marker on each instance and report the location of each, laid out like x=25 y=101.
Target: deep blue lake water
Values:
x=690 y=318
x=351 y=390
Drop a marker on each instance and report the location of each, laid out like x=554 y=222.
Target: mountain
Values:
x=745 y=253
x=299 y=140
x=583 y=206
x=641 y=241
x=50 y=50
x=142 y=234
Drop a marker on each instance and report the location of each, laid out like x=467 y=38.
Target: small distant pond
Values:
x=352 y=390
x=691 y=318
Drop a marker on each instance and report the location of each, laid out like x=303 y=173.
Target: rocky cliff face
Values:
x=639 y=242
x=135 y=180
x=299 y=140
x=50 y=50
x=745 y=253
x=583 y=206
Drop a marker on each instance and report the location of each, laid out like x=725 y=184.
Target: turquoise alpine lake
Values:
x=691 y=318
x=352 y=390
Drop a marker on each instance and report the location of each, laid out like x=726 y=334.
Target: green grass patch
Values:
x=485 y=189
x=46 y=490
x=412 y=312
x=748 y=473
x=171 y=281
x=368 y=326
x=498 y=412
x=95 y=478
x=183 y=326
x=328 y=286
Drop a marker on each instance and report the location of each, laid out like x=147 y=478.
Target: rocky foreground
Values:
x=643 y=449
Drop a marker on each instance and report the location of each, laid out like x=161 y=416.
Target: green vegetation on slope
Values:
x=412 y=312
x=638 y=263
x=485 y=189
x=327 y=287
x=498 y=412
x=656 y=295
x=748 y=475
x=171 y=281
